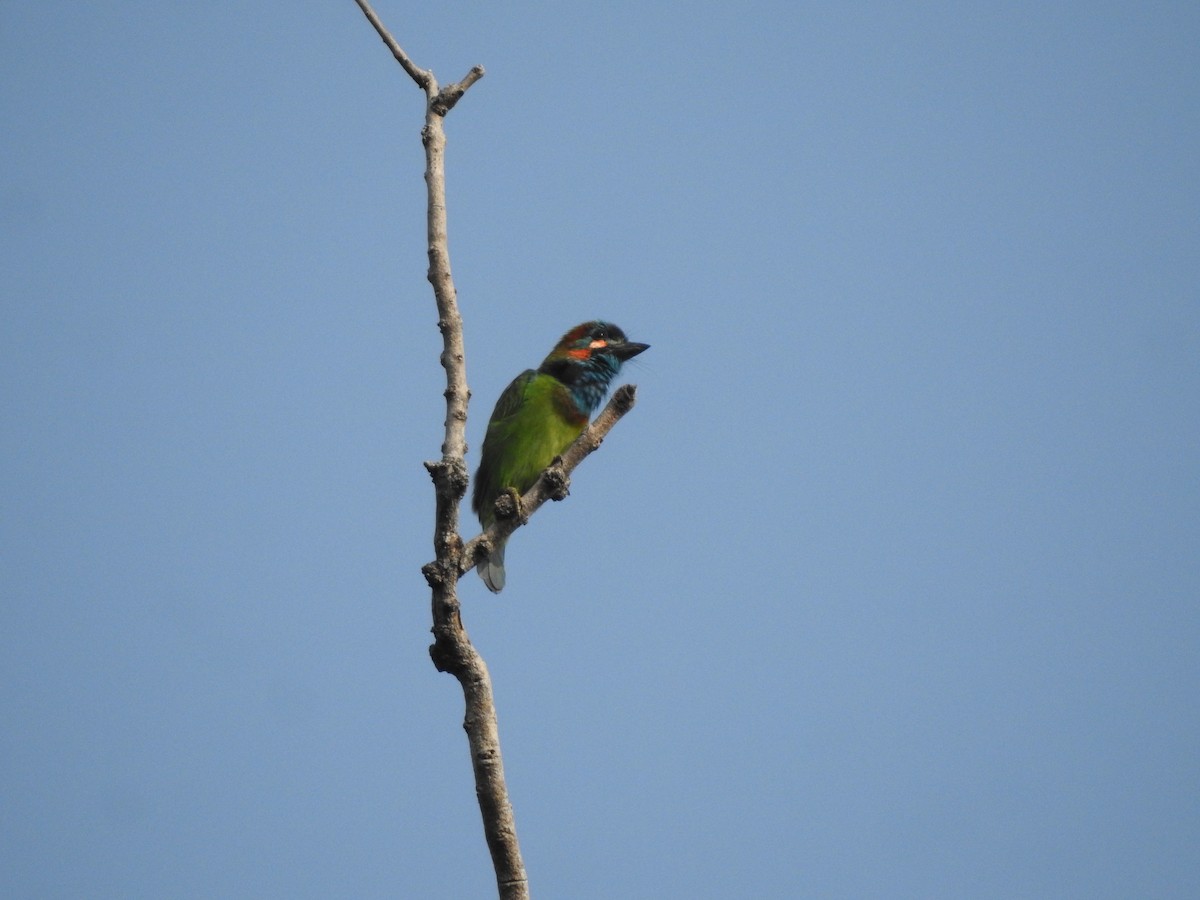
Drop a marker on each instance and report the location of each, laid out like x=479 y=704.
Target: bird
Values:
x=538 y=416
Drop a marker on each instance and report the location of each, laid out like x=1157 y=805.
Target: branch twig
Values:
x=419 y=75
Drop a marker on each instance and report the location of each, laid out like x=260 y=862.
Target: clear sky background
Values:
x=888 y=587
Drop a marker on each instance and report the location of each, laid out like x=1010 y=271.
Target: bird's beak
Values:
x=627 y=350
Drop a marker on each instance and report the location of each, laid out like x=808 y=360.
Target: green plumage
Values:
x=534 y=422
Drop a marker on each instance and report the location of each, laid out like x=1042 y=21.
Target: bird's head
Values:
x=587 y=358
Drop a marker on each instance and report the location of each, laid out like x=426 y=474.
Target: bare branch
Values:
x=452 y=650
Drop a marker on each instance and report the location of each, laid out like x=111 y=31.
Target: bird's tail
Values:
x=491 y=570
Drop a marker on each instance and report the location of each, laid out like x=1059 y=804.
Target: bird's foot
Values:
x=508 y=505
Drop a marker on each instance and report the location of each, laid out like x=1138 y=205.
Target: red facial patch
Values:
x=579 y=354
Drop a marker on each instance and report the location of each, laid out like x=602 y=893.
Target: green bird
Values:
x=539 y=415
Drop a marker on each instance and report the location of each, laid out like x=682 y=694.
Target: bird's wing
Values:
x=487 y=476
x=512 y=398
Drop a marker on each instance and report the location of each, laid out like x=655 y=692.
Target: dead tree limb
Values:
x=452 y=650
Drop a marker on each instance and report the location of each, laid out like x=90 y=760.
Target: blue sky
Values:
x=886 y=588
